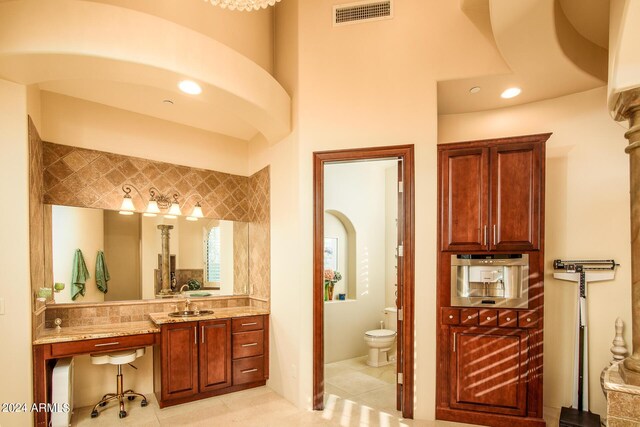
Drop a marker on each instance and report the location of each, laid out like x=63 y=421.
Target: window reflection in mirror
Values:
x=210 y=256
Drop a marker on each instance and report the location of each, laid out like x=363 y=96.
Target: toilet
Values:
x=381 y=342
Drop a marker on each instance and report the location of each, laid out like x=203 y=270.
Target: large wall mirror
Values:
x=208 y=257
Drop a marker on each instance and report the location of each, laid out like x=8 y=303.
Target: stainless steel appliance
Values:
x=497 y=280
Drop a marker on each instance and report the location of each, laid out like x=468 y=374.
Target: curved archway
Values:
x=350 y=253
x=100 y=52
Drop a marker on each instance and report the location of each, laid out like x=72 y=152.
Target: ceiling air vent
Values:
x=363 y=11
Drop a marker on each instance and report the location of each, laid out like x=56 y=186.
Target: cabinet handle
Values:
x=250 y=324
x=484 y=241
x=451 y=316
x=508 y=319
x=469 y=317
x=106 y=344
x=195 y=335
x=248 y=371
x=495 y=235
x=454 y=342
x=528 y=319
x=488 y=318
x=202 y=333
x=250 y=345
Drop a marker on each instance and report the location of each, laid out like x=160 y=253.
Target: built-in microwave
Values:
x=496 y=280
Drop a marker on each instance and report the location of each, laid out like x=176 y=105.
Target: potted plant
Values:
x=330 y=279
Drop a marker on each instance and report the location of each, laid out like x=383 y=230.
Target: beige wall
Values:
x=587 y=216
x=76 y=228
x=363 y=85
x=71 y=121
x=15 y=323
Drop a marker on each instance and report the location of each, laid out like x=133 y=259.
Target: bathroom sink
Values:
x=190 y=313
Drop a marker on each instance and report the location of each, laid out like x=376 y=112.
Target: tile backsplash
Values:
x=88 y=178
x=102 y=314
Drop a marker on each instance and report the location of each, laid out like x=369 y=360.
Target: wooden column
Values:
x=628 y=108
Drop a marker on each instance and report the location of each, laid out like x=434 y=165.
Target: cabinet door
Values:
x=464 y=191
x=215 y=354
x=515 y=197
x=489 y=370
x=179 y=360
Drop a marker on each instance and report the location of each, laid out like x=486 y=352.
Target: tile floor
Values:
x=356 y=395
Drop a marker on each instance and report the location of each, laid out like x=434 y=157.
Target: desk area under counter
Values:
x=194 y=357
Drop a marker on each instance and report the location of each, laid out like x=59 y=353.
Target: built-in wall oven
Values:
x=497 y=280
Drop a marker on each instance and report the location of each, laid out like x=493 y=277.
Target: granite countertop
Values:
x=218 y=313
x=79 y=333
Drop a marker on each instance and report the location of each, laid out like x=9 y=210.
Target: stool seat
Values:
x=117 y=357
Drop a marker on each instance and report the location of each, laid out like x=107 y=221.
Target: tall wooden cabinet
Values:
x=491 y=197
x=491 y=201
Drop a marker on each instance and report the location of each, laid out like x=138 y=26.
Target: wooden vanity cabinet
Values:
x=179 y=348
x=201 y=359
x=490 y=194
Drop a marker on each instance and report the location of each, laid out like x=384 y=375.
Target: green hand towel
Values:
x=102 y=273
x=79 y=276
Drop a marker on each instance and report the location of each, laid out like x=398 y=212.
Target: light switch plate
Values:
x=1 y=305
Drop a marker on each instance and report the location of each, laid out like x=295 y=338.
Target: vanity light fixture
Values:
x=174 y=210
x=196 y=213
x=127 y=207
x=152 y=208
x=190 y=87
x=512 y=92
x=158 y=203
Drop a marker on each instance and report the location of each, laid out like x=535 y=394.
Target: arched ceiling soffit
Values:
x=548 y=57
x=131 y=60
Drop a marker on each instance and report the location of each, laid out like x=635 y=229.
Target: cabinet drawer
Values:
x=248 y=370
x=469 y=316
x=248 y=344
x=488 y=318
x=528 y=319
x=508 y=318
x=450 y=316
x=250 y=323
x=101 y=345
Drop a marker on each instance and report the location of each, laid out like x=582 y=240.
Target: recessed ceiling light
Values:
x=511 y=92
x=474 y=89
x=167 y=102
x=190 y=87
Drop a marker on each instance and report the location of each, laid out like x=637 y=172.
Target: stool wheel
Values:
x=131 y=397
x=103 y=404
x=144 y=403
x=122 y=414
x=94 y=414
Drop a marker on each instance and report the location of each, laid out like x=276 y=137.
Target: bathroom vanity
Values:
x=210 y=356
x=491 y=281
x=194 y=358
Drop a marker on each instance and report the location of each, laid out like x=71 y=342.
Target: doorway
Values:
x=327 y=218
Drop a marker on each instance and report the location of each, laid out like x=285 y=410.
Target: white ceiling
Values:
x=551 y=47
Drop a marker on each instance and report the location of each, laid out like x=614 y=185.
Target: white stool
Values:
x=118 y=358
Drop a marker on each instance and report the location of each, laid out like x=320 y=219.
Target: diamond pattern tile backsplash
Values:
x=80 y=177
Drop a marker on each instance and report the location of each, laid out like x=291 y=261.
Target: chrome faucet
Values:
x=187 y=304
x=182 y=288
